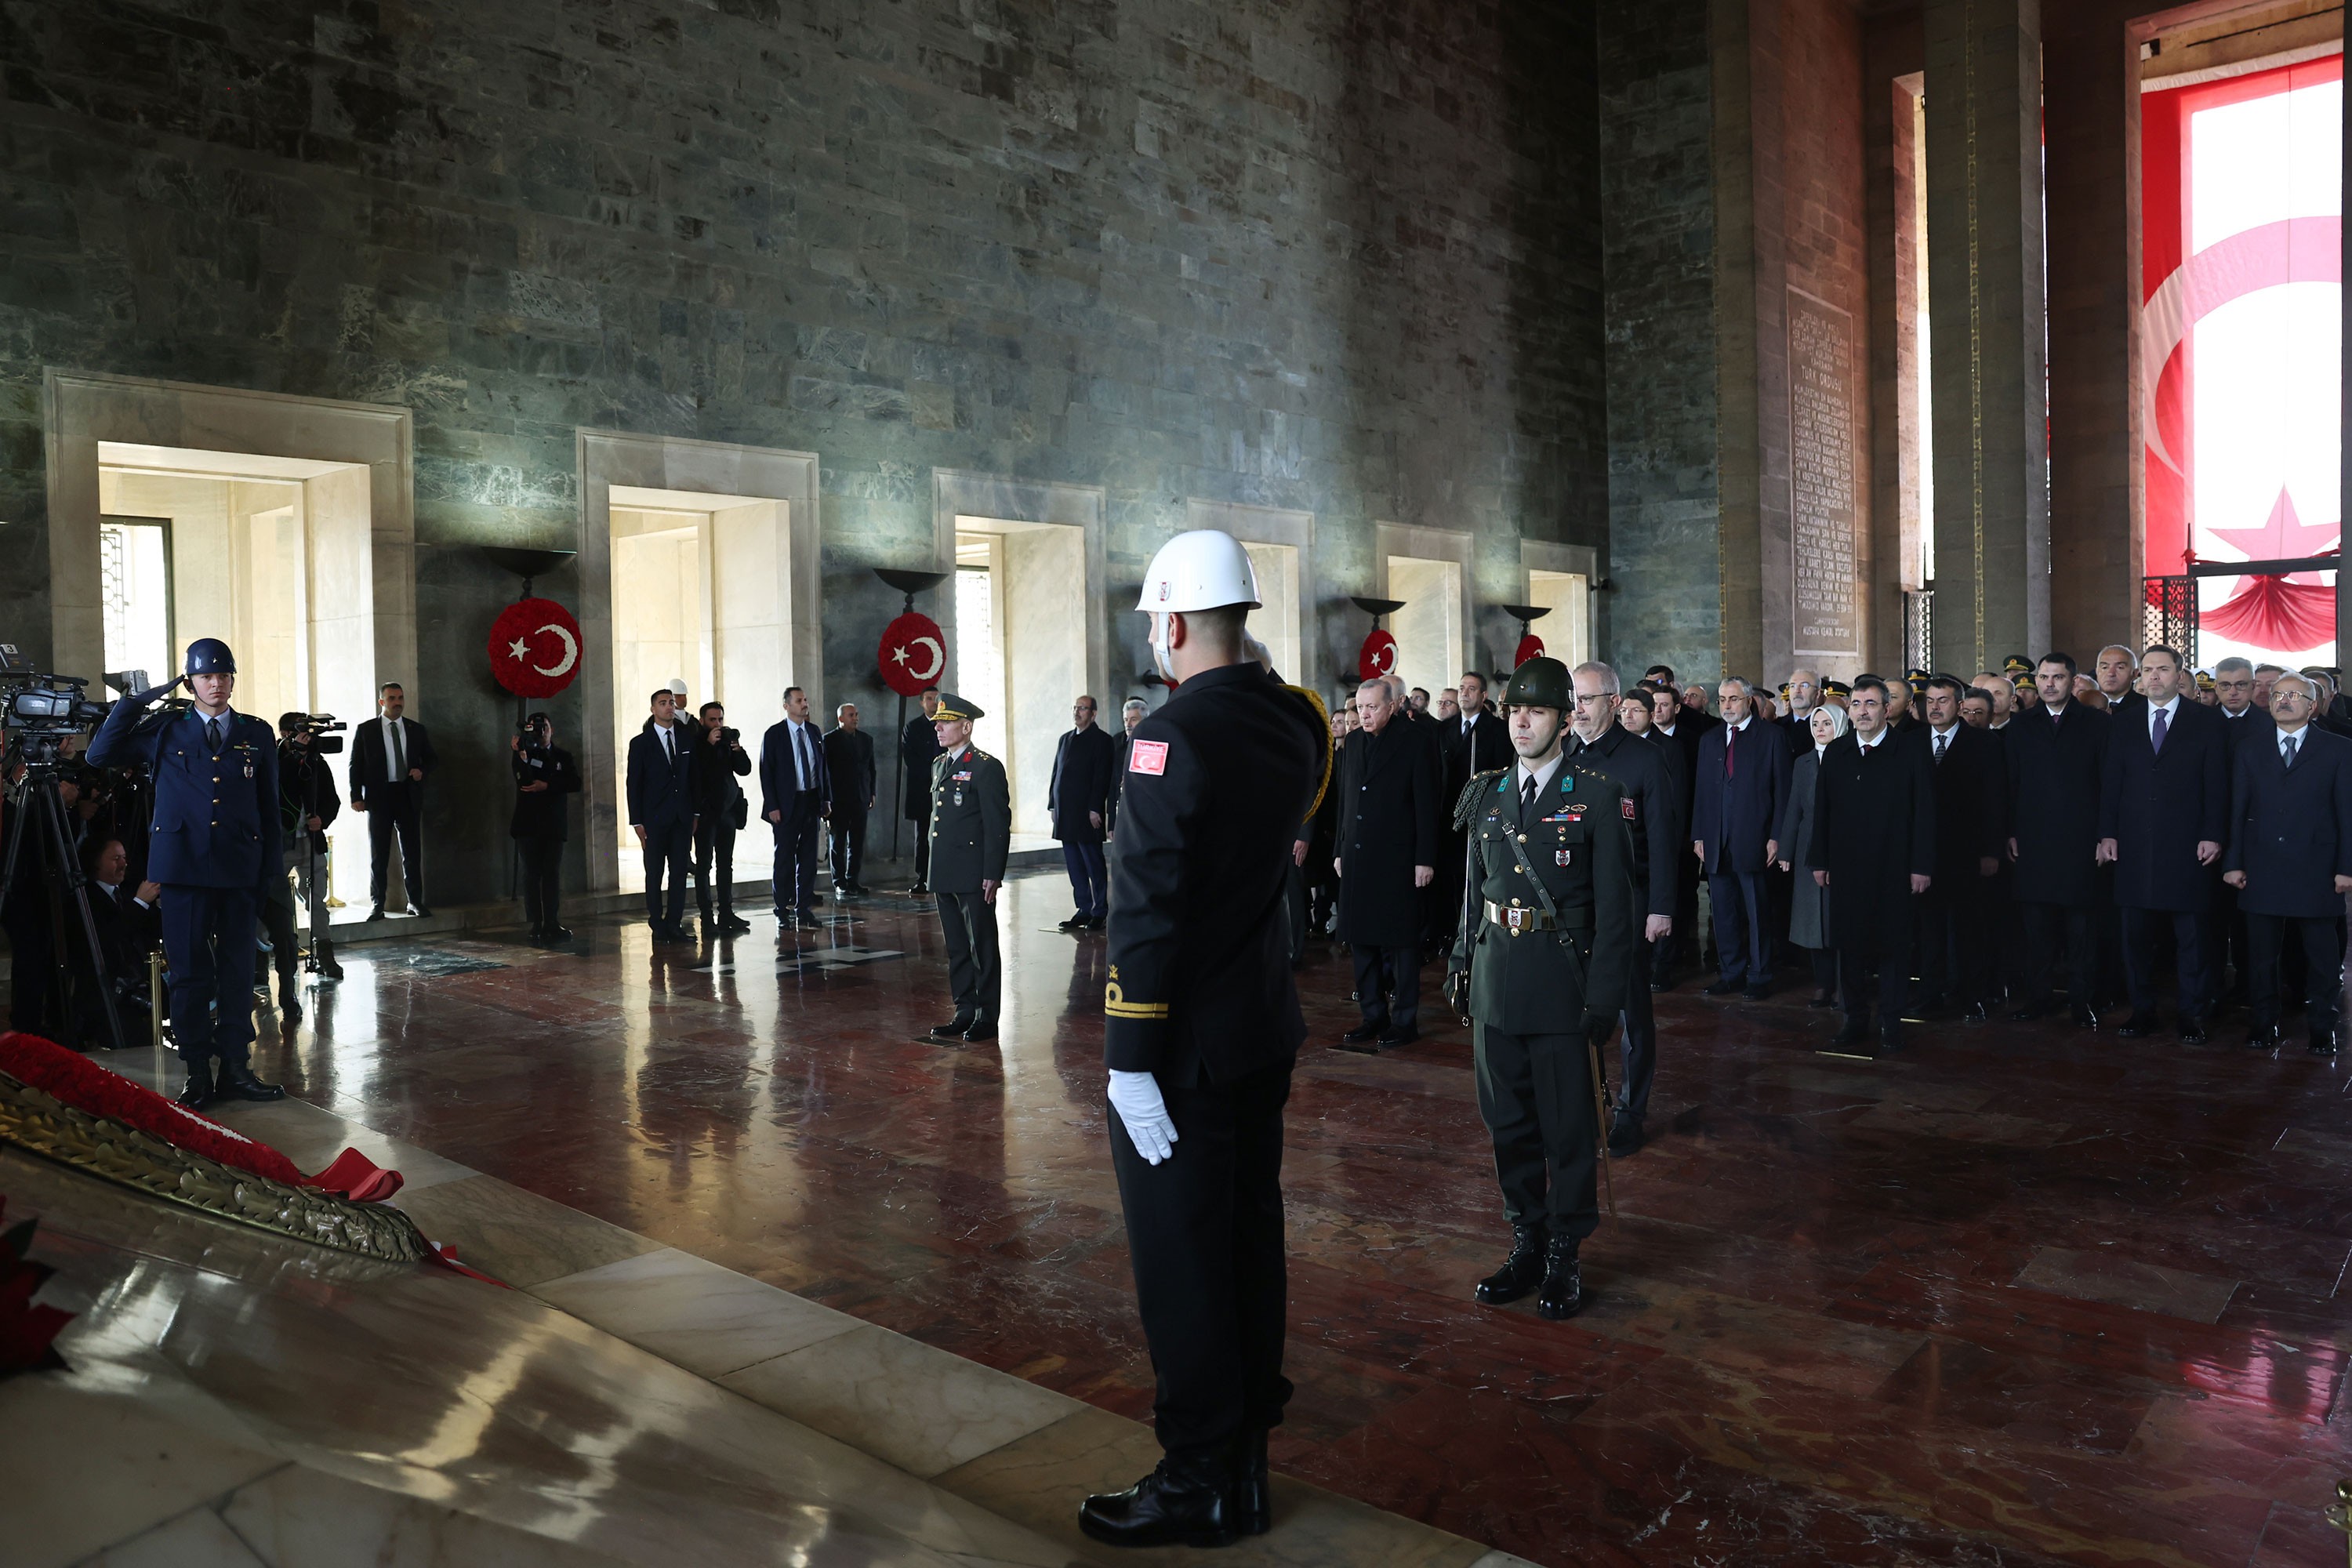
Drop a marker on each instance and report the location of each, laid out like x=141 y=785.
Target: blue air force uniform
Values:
x=214 y=847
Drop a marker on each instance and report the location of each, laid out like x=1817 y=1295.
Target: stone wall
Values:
x=1313 y=255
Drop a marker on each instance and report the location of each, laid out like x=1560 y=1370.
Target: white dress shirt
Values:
x=1542 y=776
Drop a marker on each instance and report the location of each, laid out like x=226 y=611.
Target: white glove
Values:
x=1136 y=1097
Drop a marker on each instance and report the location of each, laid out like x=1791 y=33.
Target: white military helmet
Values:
x=1205 y=569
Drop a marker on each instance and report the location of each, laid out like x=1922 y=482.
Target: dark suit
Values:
x=395 y=801
x=849 y=769
x=1742 y=785
x=540 y=824
x=661 y=801
x=2290 y=833
x=1955 y=932
x=1390 y=813
x=2231 y=958
x=795 y=793
x=919 y=746
x=717 y=765
x=1873 y=830
x=1640 y=771
x=1684 y=943
x=1080 y=791
x=1202 y=999
x=2055 y=768
x=2158 y=806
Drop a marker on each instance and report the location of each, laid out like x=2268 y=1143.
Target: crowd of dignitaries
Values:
x=2043 y=840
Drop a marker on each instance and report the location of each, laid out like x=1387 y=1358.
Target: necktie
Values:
x=2287 y=744
x=800 y=752
x=1729 y=768
x=1527 y=792
x=669 y=745
x=399 y=750
x=2156 y=738
x=212 y=734
x=1941 y=741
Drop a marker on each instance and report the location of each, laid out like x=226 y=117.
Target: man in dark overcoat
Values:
x=1390 y=806
x=2289 y=860
x=2164 y=814
x=1874 y=849
x=1077 y=801
x=1737 y=795
x=2057 y=752
x=1956 y=912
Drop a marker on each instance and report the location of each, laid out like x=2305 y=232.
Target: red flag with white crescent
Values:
x=914 y=654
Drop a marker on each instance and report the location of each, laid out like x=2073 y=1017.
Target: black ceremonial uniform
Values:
x=1201 y=997
x=1539 y=985
x=972 y=833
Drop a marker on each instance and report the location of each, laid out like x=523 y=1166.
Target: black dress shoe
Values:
x=2323 y=1045
x=2192 y=1031
x=1758 y=992
x=557 y=933
x=1364 y=1034
x=2084 y=1018
x=238 y=1083
x=1401 y=1037
x=1096 y=922
x=919 y=890
x=955 y=1026
x=1659 y=982
x=980 y=1032
x=376 y=914
x=1856 y=1033
x=197 y=1093
x=2264 y=1038
x=419 y=909
x=1625 y=1137
x=1723 y=988
x=1521 y=1272
x=1976 y=1012
x=808 y=922
x=2138 y=1027
x=289 y=1007
x=1252 y=1499
x=1562 y=1294
x=1075 y=922
x=1184 y=1502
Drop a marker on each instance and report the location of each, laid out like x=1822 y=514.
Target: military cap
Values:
x=953 y=707
x=2204 y=680
x=1836 y=689
x=1917 y=680
x=1541 y=682
x=2017 y=664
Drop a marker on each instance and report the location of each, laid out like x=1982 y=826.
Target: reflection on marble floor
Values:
x=2020 y=1295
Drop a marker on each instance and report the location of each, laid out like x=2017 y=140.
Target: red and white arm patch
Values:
x=1626 y=808
x=1148 y=757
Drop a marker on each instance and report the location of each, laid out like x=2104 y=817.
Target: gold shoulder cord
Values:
x=1314 y=700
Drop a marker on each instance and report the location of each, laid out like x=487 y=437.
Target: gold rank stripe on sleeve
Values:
x=1117 y=1005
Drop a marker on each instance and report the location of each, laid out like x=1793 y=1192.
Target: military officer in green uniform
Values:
x=1540 y=966
x=972 y=832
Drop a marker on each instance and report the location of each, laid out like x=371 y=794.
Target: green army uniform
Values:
x=1543 y=982
x=972 y=834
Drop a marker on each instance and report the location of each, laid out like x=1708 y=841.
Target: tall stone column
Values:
x=1986 y=301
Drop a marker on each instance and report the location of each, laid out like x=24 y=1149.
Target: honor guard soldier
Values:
x=1539 y=969
x=1201 y=1026
x=214 y=847
x=972 y=833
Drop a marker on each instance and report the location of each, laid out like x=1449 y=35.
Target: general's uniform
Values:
x=213 y=845
x=1540 y=985
x=1201 y=997
x=972 y=834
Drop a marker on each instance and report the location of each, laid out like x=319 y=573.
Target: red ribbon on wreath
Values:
x=1378 y=658
x=535 y=647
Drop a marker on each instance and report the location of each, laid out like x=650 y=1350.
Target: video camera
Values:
x=39 y=713
x=326 y=733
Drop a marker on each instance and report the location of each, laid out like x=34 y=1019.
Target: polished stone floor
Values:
x=2019 y=1295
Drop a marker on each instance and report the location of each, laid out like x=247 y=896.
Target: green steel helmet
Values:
x=209 y=655
x=1541 y=682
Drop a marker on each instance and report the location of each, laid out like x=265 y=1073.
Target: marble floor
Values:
x=2019 y=1295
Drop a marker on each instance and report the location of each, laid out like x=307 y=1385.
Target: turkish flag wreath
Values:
x=913 y=655
x=535 y=647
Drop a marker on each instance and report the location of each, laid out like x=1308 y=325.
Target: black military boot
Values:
x=1254 y=1504
x=328 y=967
x=197 y=1093
x=1184 y=1502
x=237 y=1082
x=289 y=999
x=1562 y=1294
x=1520 y=1272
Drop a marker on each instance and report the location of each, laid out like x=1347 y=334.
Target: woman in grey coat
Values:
x=1808 y=906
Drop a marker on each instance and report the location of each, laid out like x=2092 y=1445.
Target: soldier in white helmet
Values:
x=1201 y=1025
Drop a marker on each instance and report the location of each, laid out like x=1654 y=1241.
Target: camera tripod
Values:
x=38 y=810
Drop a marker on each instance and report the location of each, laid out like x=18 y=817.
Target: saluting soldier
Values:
x=972 y=833
x=1544 y=954
x=214 y=847
x=1200 y=1028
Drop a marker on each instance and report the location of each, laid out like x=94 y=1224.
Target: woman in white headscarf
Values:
x=1809 y=905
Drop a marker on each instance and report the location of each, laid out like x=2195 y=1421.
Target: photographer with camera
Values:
x=308 y=804
x=720 y=809
x=544 y=778
x=213 y=847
